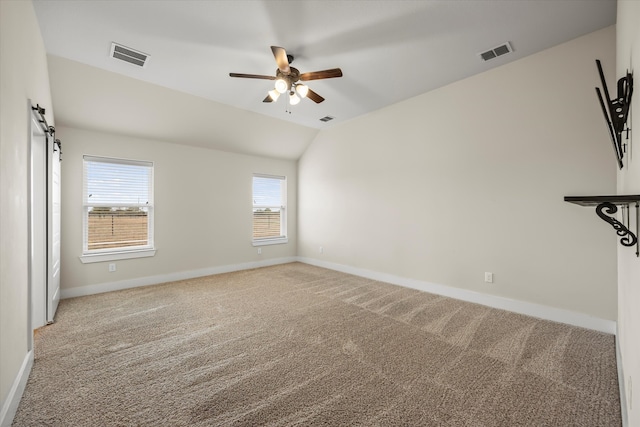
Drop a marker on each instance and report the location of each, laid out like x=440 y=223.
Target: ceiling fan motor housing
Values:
x=291 y=78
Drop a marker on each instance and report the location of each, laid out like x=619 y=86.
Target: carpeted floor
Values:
x=300 y=345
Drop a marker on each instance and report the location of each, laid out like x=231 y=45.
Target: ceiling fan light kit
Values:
x=302 y=90
x=274 y=94
x=287 y=78
x=281 y=85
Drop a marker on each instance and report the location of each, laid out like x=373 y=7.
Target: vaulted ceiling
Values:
x=388 y=51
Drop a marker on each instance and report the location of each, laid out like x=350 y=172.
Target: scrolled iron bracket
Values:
x=627 y=238
x=607 y=206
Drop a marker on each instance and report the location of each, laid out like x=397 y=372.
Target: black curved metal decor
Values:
x=616 y=110
x=606 y=206
x=627 y=237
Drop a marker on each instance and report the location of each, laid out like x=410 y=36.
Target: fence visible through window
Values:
x=109 y=228
x=266 y=223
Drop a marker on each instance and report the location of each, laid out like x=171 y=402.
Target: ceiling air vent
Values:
x=326 y=118
x=129 y=55
x=503 y=49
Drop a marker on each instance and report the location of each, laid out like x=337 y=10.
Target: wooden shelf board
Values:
x=596 y=200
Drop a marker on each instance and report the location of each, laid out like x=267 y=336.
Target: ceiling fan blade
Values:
x=281 y=59
x=324 y=74
x=251 y=76
x=314 y=97
x=267 y=99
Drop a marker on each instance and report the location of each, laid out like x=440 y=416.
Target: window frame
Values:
x=123 y=252
x=283 y=238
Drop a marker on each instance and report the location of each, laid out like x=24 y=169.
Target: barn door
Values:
x=37 y=227
x=53 y=227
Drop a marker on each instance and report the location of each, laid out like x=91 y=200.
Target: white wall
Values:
x=23 y=76
x=202 y=218
x=470 y=178
x=628 y=58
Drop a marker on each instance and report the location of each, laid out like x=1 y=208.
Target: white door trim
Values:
x=37 y=230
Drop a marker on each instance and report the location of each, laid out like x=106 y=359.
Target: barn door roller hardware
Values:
x=49 y=130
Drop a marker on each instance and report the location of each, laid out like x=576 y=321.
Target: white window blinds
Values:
x=118 y=204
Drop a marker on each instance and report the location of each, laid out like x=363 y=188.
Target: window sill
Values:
x=265 y=242
x=115 y=256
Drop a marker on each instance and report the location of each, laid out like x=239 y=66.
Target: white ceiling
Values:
x=388 y=51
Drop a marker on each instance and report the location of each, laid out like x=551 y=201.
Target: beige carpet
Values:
x=300 y=345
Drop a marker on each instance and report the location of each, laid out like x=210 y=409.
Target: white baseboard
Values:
x=522 y=307
x=171 y=277
x=10 y=406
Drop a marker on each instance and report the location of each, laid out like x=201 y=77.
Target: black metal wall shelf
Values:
x=609 y=204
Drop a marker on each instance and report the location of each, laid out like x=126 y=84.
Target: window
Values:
x=118 y=209
x=269 y=210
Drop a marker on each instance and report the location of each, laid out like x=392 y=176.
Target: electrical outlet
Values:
x=488 y=277
x=321 y=249
x=112 y=268
x=259 y=251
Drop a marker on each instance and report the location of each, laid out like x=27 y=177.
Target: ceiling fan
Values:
x=288 y=79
